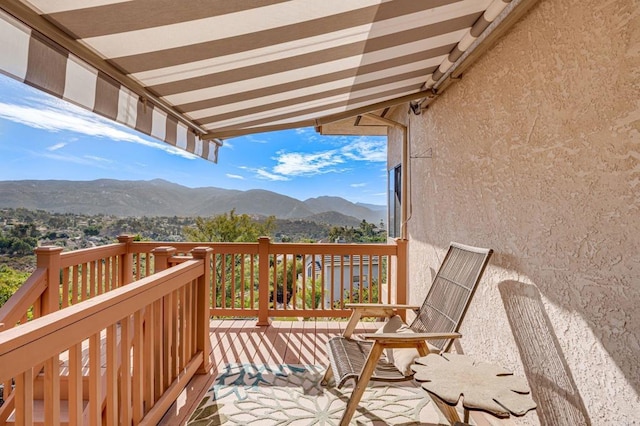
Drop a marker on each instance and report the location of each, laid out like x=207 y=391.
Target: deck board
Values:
x=241 y=341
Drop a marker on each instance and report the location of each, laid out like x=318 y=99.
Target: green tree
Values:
x=10 y=281
x=229 y=228
x=365 y=233
x=91 y=230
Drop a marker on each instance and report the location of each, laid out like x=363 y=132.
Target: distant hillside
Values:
x=340 y=205
x=161 y=198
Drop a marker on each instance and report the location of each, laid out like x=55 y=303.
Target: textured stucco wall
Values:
x=536 y=154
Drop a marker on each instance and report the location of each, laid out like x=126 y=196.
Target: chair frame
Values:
x=382 y=341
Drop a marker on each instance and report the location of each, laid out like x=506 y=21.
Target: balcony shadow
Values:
x=552 y=384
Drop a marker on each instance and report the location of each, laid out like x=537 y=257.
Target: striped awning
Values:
x=194 y=72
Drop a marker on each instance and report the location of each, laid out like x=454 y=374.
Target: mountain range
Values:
x=162 y=198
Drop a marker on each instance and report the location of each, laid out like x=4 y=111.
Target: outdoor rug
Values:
x=289 y=394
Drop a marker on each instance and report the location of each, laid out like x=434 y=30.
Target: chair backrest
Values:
x=451 y=291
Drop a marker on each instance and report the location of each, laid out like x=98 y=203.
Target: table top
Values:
x=482 y=386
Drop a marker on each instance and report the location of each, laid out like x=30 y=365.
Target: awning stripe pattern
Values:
x=227 y=68
x=35 y=60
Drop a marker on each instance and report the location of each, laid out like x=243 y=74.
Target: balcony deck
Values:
x=284 y=342
x=241 y=341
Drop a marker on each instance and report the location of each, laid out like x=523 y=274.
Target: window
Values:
x=395 y=199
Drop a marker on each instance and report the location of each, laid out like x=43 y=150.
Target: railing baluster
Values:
x=85 y=278
x=153 y=354
x=111 y=407
x=137 y=375
x=313 y=285
x=252 y=274
x=100 y=282
x=75 y=292
x=115 y=262
x=285 y=282
x=342 y=290
x=273 y=259
x=182 y=309
x=125 y=372
x=52 y=391
x=243 y=282
x=95 y=368
x=24 y=398
x=332 y=277
x=65 y=288
x=175 y=325
x=360 y=280
x=294 y=289
x=232 y=259
x=93 y=266
x=74 y=376
x=167 y=335
x=370 y=278
x=223 y=281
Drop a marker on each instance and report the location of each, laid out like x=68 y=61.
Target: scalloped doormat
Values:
x=289 y=394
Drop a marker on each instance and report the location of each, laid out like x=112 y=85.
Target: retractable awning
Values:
x=194 y=72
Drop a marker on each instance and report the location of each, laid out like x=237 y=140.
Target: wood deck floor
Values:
x=283 y=342
x=241 y=341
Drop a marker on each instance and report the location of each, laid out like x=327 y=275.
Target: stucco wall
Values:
x=536 y=154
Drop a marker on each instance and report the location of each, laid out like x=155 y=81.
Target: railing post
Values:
x=203 y=343
x=126 y=261
x=161 y=257
x=401 y=274
x=263 y=281
x=49 y=257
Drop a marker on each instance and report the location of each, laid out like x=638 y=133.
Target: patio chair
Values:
x=437 y=321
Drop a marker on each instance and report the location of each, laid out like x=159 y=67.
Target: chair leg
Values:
x=352 y=323
x=328 y=375
x=361 y=385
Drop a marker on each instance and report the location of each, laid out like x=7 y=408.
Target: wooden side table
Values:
x=482 y=386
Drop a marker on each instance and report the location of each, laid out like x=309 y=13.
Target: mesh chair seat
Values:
x=348 y=356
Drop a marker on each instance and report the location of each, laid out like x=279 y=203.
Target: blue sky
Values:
x=42 y=137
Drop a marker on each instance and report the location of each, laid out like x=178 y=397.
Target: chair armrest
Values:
x=378 y=309
x=363 y=310
x=390 y=338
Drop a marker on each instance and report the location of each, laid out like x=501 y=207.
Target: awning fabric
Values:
x=194 y=72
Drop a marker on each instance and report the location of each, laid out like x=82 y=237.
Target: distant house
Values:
x=341 y=274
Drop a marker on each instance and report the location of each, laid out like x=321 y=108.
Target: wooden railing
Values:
x=127 y=353
x=80 y=304
x=262 y=279
x=267 y=280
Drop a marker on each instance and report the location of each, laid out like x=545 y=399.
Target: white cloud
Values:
x=263 y=174
x=55 y=115
x=358 y=185
x=314 y=163
x=252 y=138
x=86 y=160
x=57 y=146
x=366 y=149
x=307 y=164
x=96 y=158
x=230 y=176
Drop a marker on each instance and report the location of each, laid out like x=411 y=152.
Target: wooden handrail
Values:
x=77 y=257
x=36 y=341
x=28 y=294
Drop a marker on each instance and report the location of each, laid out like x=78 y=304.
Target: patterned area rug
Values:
x=292 y=395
